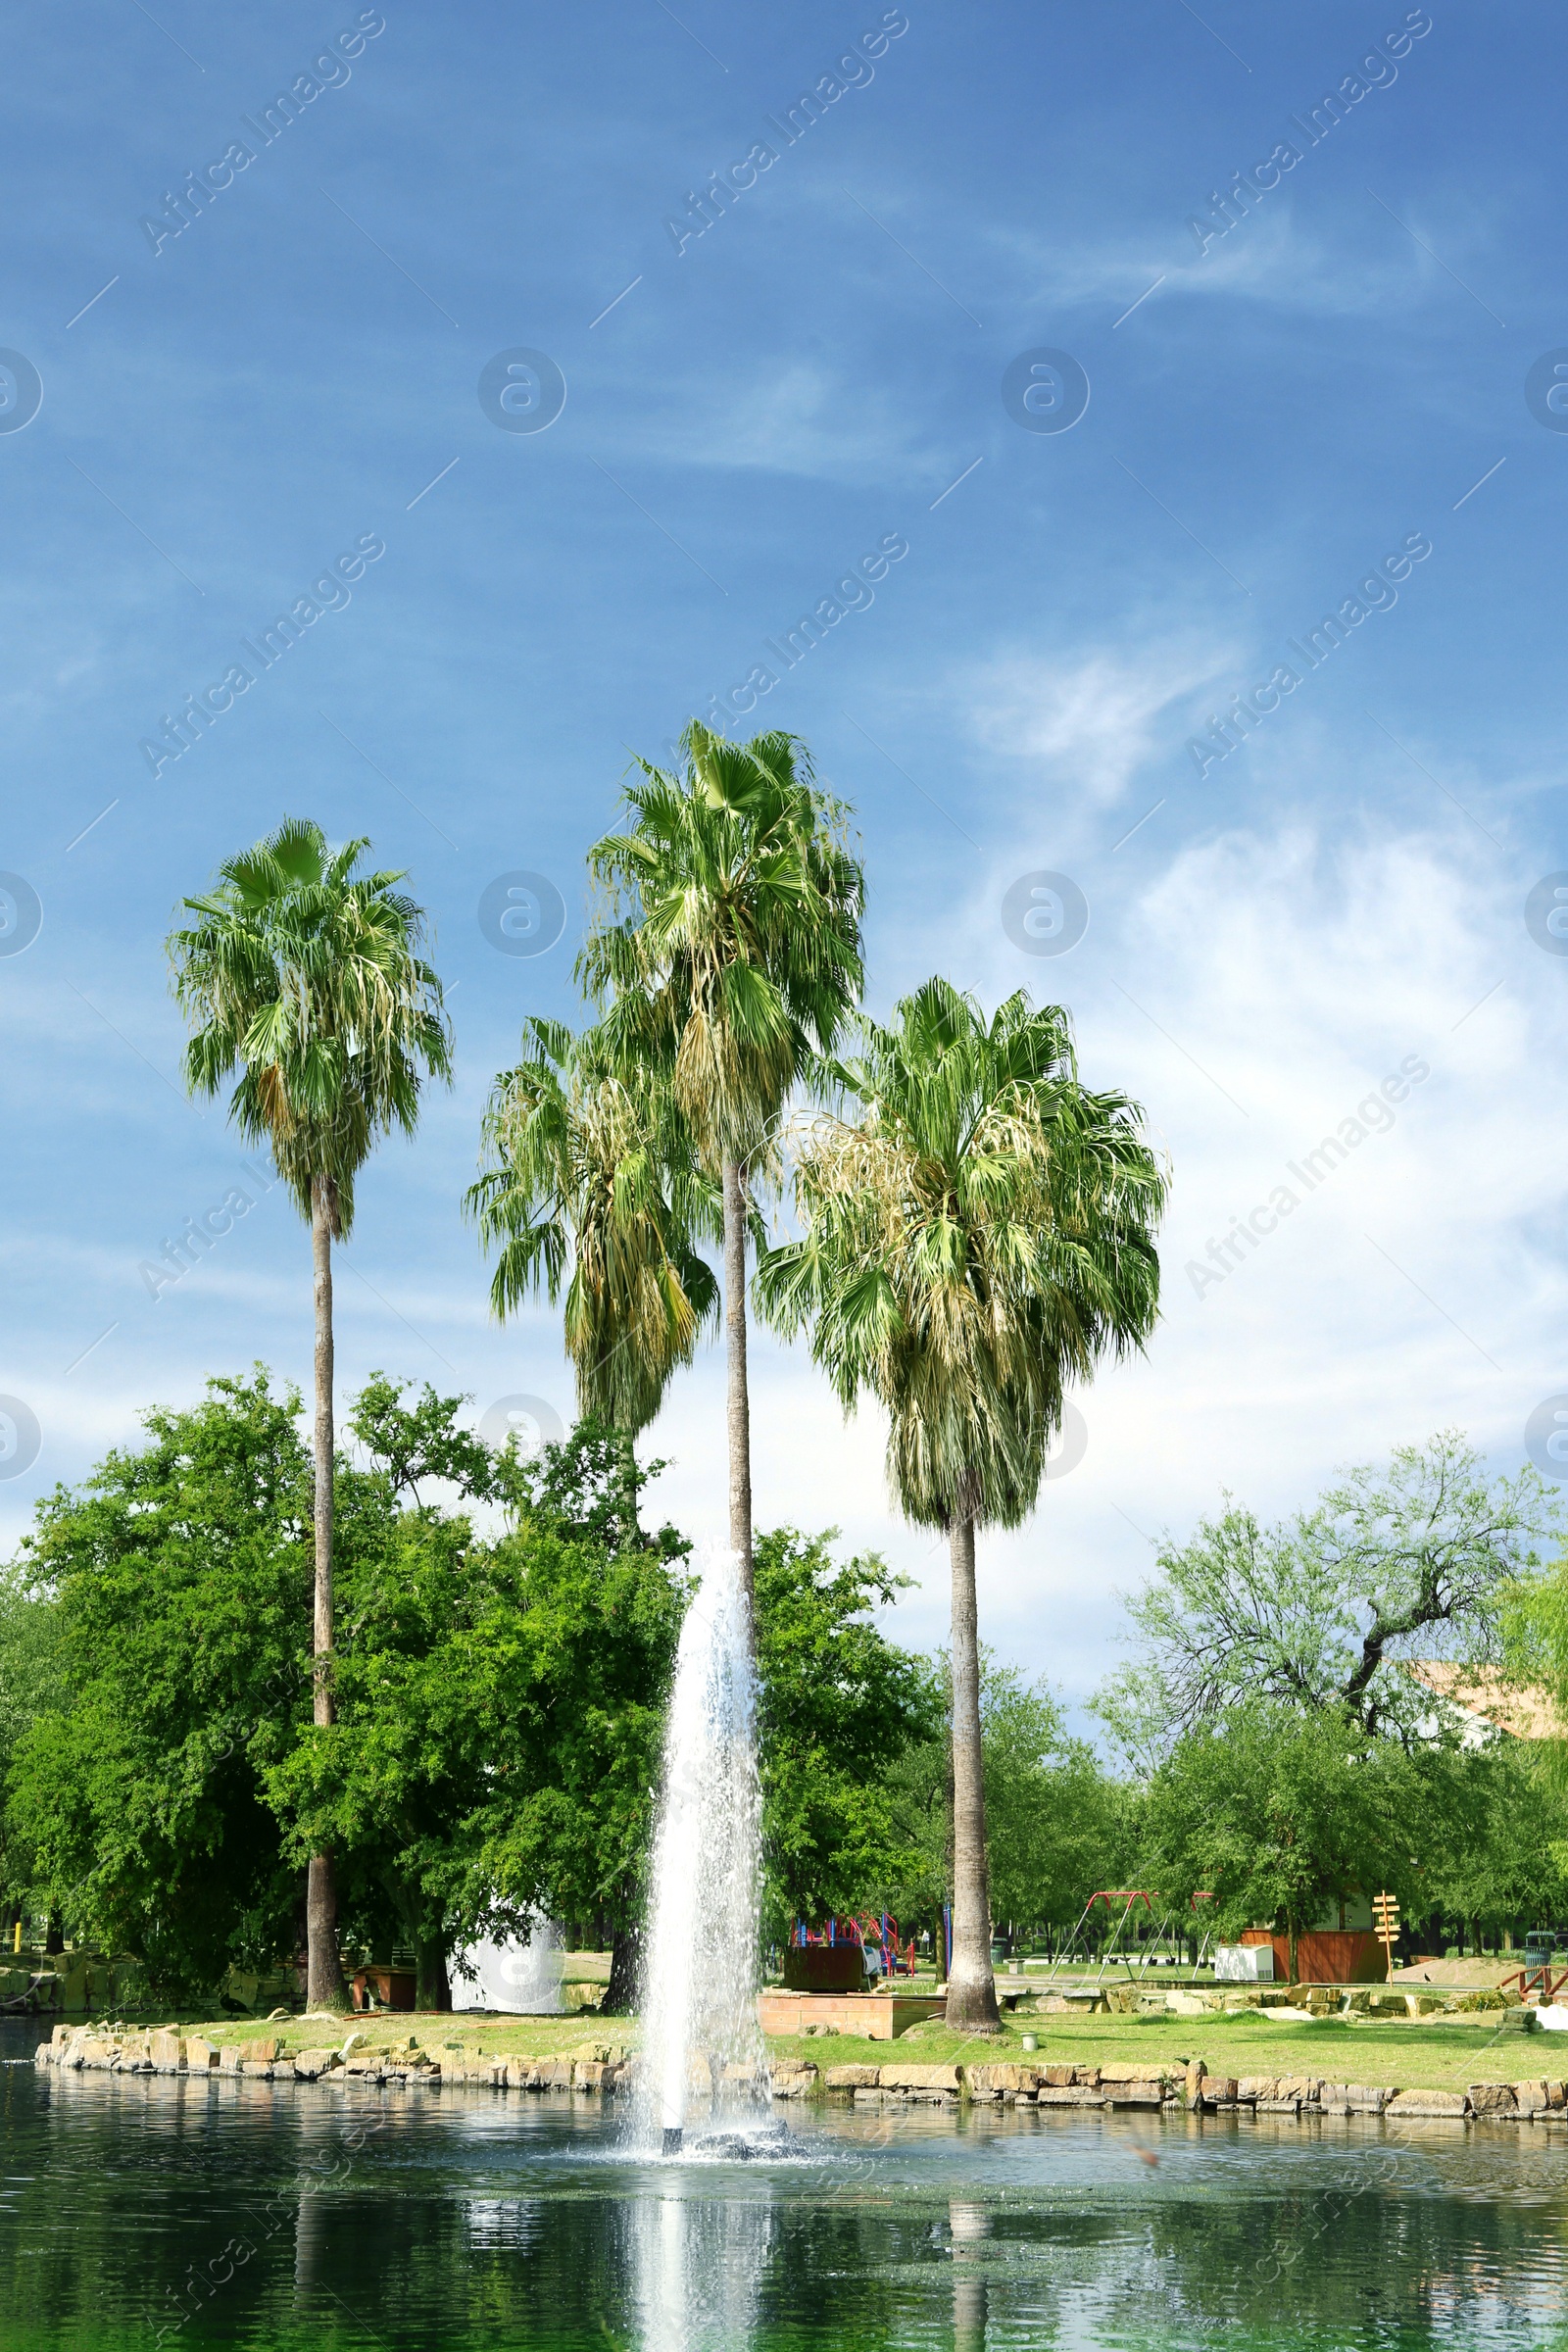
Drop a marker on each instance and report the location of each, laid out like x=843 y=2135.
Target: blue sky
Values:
x=1278 y=408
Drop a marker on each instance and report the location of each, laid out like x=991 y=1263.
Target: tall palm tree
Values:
x=587 y=1171
x=979 y=1232
x=304 y=973
x=728 y=955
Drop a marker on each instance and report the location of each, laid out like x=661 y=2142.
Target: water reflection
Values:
x=697 y=2266
x=457 y=2223
x=969 y=2226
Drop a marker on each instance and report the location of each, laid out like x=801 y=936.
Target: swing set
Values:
x=1167 y=1926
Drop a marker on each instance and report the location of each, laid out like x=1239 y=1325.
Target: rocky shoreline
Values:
x=603 y=2069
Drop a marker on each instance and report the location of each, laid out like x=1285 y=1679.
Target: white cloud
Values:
x=1086 y=721
x=1420 y=1286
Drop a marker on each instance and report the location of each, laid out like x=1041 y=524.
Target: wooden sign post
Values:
x=1386 y=1920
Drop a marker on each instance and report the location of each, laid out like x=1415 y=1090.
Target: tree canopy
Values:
x=1420 y=1559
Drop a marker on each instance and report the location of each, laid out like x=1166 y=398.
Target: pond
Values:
x=140 y=2211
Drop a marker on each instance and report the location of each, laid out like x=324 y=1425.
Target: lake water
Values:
x=139 y=2210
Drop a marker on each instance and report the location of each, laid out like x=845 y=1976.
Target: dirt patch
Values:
x=1473 y=1975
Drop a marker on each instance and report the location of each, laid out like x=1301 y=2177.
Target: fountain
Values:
x=702 y=2041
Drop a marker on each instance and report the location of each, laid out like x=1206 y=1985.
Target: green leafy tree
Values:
x=494 y=1751
x=305 y=974
x=1057 y=1821
x=177 y=1579
x=31 y=1685
x=592 y=1173
x=979 y=1232
x=840 y=1706
x=1059 y=1826
x=575 y=1694
x=1278 y=1810
x=729 y=956
x=1422 y=1559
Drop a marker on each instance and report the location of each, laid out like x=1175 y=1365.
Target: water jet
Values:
x=703 y=2044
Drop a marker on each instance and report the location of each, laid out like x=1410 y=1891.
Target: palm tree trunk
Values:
x=325 y=1987
x=971 y=1987
x=739 y=1408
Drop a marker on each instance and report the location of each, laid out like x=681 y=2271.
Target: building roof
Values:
x=1485 y=1692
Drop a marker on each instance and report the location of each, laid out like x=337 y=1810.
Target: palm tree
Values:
x=586 y=1171
x=729 y=954
x=979 y=1230
x=304 y=973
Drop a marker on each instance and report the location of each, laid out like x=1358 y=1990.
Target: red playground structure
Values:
x=876 y=1932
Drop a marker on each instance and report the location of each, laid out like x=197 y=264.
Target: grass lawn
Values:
x=1444 y=2056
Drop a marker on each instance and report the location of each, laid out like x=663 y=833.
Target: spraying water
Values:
x=703 y=2049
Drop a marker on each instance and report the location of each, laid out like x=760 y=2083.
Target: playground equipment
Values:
x=872 y=1932
x=1152 y=1930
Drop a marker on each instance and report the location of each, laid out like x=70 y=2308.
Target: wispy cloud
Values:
x=1088 y=720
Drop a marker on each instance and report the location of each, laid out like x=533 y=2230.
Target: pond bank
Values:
x=448 y=2057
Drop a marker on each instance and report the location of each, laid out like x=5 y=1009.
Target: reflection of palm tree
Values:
x=970 y=2226
x=980 y=1233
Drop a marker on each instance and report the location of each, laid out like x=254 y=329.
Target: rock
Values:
x=1426 y=2102
x=1219 y=2090
x=1532 y=2098
x=1252 y=2087
x=1352 y=2098
x=795 y=2082
x=994 y=2082
x=1085 y=2077
x=200 y=2054
x=1493 y=2098
x=1071 y=2094
x=1058 y=2078
x=310 y=2065
x=1109 y=2074
x=852 y=2077
x=588 y=2073
x=1196 y=2071
x=916 y=2078
x=168 y=2051
x=260 y=2053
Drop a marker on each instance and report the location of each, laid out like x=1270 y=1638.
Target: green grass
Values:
x=1433 y=2056
x=1415 y=2056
